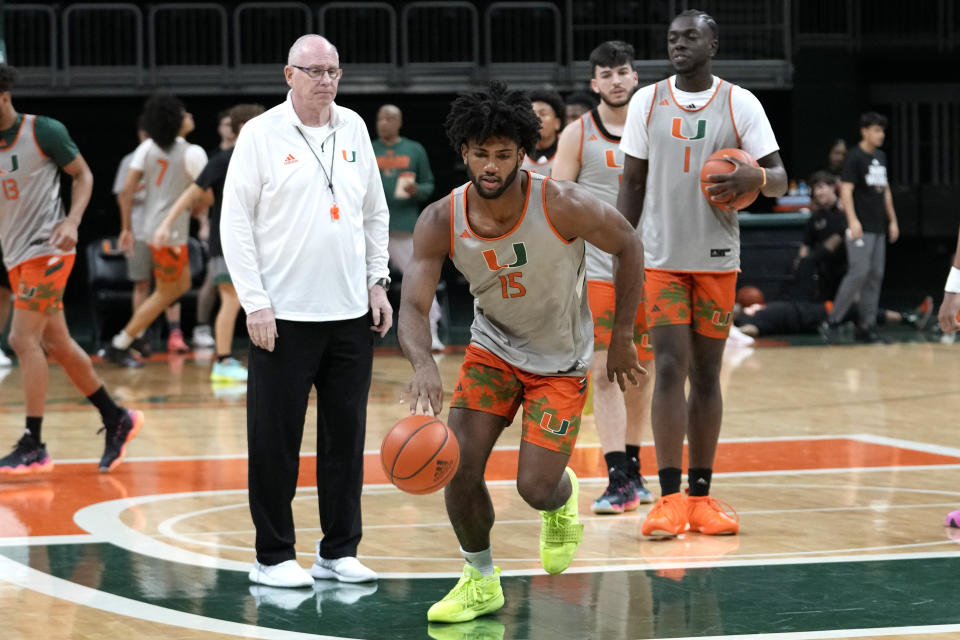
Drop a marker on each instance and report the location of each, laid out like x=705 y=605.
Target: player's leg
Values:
x=227 y=368
x=669 y=308
x=637 y=400
x=175 y=341
x=609 y=410
x=477 y=425
x=713 y=297
x=6 y=307
x=29 y=454
x=172 y=275
x=120 y=425
x=206 y=298
x=140 y=272
x=858 y=269
x=552 y=407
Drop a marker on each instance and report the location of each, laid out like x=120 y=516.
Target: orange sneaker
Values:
x=668 y=517
x=713 y=517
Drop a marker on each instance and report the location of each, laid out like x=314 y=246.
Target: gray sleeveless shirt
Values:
x=30 y=205
x=529 y=288
x=681 y=230
x=601 y=168
x=165 y=176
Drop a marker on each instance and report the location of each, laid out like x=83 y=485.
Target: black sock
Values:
x=33 y=426
x=224 y=358
x=633 y=453
x=173 y=326
x=669 y=480
x=109 y=411
x=615 y=460
x=699 y=481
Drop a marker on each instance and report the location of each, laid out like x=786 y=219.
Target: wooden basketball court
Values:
x=841 y=461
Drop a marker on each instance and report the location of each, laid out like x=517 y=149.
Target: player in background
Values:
x=589 y=154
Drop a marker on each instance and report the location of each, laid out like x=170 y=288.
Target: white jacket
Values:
x=282 y=245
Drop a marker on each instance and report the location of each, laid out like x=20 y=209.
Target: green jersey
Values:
x=407 y=159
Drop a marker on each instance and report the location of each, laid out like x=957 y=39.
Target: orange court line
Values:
x=41 y=505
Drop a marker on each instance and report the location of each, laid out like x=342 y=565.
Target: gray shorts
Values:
x=217 y=270
x=140 y=265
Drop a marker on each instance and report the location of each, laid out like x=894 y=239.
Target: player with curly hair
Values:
x=518 y=238
x=166 y=164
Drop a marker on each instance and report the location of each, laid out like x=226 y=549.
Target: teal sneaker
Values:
x=561 y=531
x=473 y=596
x=230 y=370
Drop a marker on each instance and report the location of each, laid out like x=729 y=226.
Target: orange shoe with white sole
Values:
x=668 y=517
x=713 y=517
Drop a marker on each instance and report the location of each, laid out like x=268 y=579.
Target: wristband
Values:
x=953 y=281
x=764 y=172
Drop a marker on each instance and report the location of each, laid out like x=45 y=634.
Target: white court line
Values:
x=34 y=580
x=39 y=541
x=862 y=437
x=103 y=521
x=833 y=633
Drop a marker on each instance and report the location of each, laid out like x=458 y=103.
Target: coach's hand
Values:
x=622 y=363
x=381 y=310
x=262 y=327
x=64 y=236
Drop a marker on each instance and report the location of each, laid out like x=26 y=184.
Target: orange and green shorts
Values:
x=551 y=404
x=602 y=305
x=39 y=282
x=169 y=262
x=701 y=299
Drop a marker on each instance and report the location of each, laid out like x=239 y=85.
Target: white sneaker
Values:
x=436 y=344
x=203 y=337
x=5 y=360
x=342 y=592
x=345 y=569
x=738 y=338
x=286 y=599
x=286 y=574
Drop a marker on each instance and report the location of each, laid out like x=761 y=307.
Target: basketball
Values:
x=716 y=164
x=420 y=454
x=749 y=295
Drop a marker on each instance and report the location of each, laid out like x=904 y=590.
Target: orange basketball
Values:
x=420 y=454
x=716 y=164
x=749 y=295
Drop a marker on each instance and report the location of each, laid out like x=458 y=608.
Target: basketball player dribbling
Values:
x=518 y=238
x=949 y=319
x=589 y=154
x=38 y=252
x=692 y=255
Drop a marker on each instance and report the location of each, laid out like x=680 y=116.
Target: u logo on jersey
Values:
x=14 y=164
x=352 y=158
x=612 y=160
x=721 y=320
x=677 y=132
x=493 y=263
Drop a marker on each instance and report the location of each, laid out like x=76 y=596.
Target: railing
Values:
x=414 y=46
x=886 y=24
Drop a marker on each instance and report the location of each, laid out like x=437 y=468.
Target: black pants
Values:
x=337 y=359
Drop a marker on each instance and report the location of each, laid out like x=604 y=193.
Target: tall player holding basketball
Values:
x=518 y=238
x=38 y=251
x=692 y=255
x=589 y=153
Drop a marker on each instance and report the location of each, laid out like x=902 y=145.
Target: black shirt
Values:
x=868 y=173
x=829 y=266
x=212 y=177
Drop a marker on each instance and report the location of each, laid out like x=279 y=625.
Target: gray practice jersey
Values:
x=529 y=289
x=681 y=230
x=601 y=168
x=30 y=206
x=166 y=174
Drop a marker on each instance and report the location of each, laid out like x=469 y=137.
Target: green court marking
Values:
x=628 y=604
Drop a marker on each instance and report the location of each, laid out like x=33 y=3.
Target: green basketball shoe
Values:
x=473 y=596
x=561 y=532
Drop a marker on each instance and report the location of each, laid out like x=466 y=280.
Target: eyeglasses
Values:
x=317 y=72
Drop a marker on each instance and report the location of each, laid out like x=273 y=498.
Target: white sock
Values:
x=482 y=561
x=121 y=340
